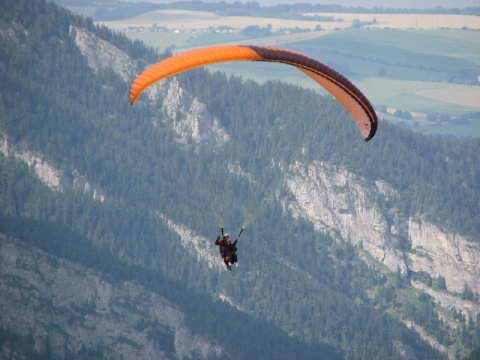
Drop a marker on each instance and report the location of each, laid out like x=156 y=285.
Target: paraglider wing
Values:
x=335 y=83
x=189 y=60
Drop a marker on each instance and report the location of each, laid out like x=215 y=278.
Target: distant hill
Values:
x=428 y=4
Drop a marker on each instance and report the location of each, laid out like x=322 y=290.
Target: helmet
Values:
x=227 y=235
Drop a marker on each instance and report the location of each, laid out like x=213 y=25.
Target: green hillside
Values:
x=52 y=103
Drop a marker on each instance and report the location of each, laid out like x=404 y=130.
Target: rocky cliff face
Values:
x=54 y=178
x=68 y=308
x=332 y=198
x=189 y=117
x=103 y=55
x=197 y=246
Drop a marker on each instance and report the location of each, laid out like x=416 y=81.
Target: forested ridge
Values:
x=53 y=104
x=421 y=167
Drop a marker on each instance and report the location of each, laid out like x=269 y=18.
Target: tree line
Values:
x=119 y=11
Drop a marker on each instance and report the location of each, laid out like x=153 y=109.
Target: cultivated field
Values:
x=187 y=20
x=410 y=21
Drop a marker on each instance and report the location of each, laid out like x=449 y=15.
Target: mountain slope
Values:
x=73 y=308
x=136 y=183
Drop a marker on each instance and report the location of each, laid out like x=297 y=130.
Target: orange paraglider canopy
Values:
x=335 y=83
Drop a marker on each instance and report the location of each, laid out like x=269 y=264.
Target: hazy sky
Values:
x=418 y=4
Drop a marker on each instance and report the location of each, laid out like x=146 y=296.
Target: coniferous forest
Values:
x=53 y=104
